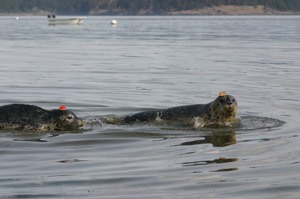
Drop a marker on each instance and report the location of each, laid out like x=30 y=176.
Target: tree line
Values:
x=55 y=6
x=134 y=6
x=163 y=6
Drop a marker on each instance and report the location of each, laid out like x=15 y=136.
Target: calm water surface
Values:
x=152 y=62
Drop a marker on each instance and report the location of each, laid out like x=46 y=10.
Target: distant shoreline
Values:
x=233 y=10
x=214 y=11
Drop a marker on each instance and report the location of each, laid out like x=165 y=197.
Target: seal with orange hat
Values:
x=33 y=118
x=222 y=111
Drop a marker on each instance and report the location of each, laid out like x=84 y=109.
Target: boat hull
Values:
x=67 y=21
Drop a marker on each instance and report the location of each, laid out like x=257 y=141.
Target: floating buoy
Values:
x=113 y=22
x=17 y=18
x=62 y=108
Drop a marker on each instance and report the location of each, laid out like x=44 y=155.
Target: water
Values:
x=143 y=63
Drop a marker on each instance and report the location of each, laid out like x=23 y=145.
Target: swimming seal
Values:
x=33 y=118
x=222 y=111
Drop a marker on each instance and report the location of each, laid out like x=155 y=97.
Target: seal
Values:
x=25 y=117
x=222 y=112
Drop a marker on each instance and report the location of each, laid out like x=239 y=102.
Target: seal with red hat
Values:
x=26 y=117
x=222 y=111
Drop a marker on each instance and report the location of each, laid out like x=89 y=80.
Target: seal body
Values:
x=33 y=118
x=221 y=111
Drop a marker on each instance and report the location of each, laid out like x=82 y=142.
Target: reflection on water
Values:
x=217 y=139
x=205 y=162
x=71 y=161
x=30 y=140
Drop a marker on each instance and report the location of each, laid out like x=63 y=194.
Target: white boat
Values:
x=52 y=20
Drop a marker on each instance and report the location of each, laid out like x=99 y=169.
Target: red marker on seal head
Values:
x=62 y=108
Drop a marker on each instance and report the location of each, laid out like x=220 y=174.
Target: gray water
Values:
x=152 y=62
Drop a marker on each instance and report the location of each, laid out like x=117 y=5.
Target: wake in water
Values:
x=243 y=123
x=255 y=122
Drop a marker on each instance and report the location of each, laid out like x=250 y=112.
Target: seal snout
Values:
x=228 y=100
x=231 y=101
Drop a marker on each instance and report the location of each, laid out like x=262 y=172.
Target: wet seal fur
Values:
x=25 y=117
x=222 y=112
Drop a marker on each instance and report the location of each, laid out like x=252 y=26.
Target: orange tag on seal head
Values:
x=62 y=108
x=222 y=93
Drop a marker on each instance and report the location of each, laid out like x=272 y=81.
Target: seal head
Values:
x=63 y=120
x=33 y=118
x=223 y=110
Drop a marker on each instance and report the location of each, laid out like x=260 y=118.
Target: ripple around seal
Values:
x=256 y=122
x=245 y=123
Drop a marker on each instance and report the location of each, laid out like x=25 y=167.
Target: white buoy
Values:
x=113 y=22
x=17 y=18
